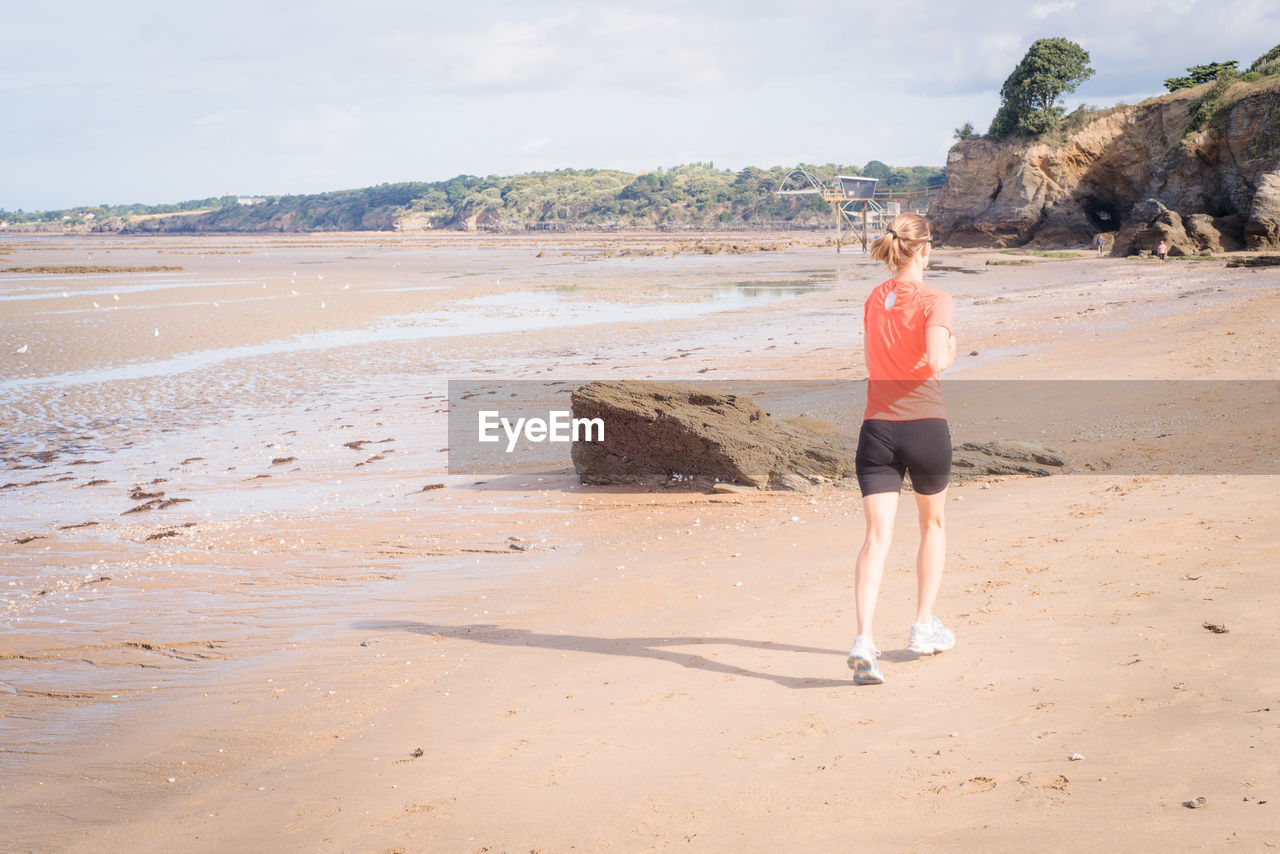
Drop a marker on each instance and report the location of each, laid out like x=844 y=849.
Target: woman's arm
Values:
x=940 y=348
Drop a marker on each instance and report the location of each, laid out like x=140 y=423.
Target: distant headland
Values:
x=693 y=196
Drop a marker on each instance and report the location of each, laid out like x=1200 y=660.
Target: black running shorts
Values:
x=887 y=450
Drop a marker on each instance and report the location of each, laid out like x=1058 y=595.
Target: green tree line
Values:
x=104 y=211
x=696 y=195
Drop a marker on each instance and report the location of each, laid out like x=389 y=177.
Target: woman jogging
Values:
x=907 y=326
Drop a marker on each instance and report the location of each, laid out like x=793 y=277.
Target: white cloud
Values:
x=541 y=52
x=1040 y=11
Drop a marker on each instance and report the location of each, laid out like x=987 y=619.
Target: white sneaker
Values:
x=862 y=661
x=928 y=638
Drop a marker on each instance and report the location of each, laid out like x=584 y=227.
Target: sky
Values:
x=130 y=101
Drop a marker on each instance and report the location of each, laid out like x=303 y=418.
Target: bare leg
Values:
x=880 y=509
x=932 y=554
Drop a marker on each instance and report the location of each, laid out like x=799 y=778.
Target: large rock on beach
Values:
x=667 y=433
x=656 y=432
x=1262 y=230
x=1151 y=221
x=1215 y=234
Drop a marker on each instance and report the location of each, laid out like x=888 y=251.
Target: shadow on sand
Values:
x=653 y=648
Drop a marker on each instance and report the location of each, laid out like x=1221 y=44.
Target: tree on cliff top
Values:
x=1029 y=97
x=1199 y=74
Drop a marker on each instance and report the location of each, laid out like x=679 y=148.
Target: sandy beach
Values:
x=245 y=606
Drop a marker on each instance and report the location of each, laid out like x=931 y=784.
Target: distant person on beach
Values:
x=1162 y=250
x=907 y=333
x=1100 y=242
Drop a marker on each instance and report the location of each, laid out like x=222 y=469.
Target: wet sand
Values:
x=233 y=612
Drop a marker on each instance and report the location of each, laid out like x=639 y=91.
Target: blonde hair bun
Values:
x=901 y=240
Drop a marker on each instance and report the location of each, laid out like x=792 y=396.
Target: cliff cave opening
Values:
x=1104 y=215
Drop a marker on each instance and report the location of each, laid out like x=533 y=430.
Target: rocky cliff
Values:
x=1136 y=174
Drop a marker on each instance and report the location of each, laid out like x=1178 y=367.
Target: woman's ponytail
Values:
x=901 y=240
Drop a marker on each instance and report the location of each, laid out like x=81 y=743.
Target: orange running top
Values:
x=901 y=386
